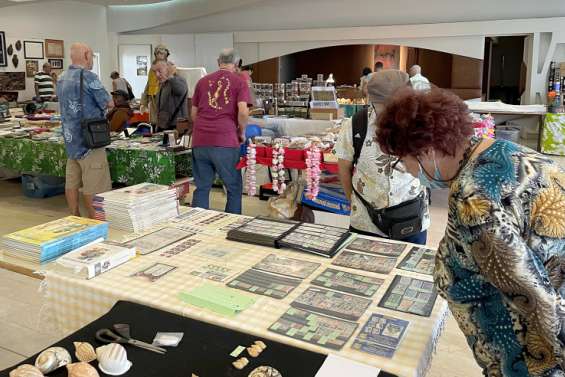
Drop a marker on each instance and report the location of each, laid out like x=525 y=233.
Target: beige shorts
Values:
x=92 y=173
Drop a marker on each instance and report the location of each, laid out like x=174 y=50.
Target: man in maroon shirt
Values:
x=220 y=114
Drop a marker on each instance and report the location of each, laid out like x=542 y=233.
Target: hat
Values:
x=383 y=84
x=122 y=93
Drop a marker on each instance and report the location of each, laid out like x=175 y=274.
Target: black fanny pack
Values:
x=95 y=131
x=400 y=221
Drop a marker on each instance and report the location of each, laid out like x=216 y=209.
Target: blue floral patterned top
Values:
x=95 y=99
x=500 y=262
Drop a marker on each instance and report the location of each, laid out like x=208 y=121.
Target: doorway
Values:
x=135 y=63
x=505 y=71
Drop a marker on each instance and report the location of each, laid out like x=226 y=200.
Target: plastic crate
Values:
x=42 y=186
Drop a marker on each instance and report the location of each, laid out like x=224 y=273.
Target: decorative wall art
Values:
x=10 y=50
x=142 y=65
x=3 y=53
x=12 y=80
x=15 y=60
x=32 y=67
x=56 y=63
x=54 y=48
x=33 y=50
x=18 y=45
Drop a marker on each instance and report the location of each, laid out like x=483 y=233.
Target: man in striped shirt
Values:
x=44 y=86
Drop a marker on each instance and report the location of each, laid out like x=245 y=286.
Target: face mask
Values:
x=436 y=183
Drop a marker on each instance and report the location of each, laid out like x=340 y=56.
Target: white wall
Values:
x=187 y=50
x=66 y=20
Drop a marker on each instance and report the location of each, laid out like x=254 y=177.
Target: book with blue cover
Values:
x=46 y=242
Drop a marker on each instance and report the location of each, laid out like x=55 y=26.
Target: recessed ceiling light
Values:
x=20 y=1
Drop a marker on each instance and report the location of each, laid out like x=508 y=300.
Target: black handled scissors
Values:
x=118 y=335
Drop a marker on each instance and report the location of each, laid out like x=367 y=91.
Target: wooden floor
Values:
x=21 y=333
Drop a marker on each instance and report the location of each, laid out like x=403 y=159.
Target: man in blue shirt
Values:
x=86 y=168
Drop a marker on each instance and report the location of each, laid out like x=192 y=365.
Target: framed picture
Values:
x=32 y=67
x=33 y=50
x=54 y=48
x=3 y=53
x=56 y=63
x=10 y=81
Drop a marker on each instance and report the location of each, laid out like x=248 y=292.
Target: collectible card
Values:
x=373 y=263
x=332 y=303
x=213 y=272
x=287 y=266
x=264 y=283
x=371 y=246
x=179 y=248
x=314 y=328
x=381 y=335
x=347 y=282
x=419 y=259
x=410 y=295
x=154 y=272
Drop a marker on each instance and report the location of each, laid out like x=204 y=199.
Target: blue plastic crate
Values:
x=42 y=186
x=331 y=198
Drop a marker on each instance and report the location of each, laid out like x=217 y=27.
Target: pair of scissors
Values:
x=121 y=334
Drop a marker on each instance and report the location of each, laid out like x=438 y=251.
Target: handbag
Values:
x=400 y=221
x=164 y=118
x=95 y=131
x=185 y=125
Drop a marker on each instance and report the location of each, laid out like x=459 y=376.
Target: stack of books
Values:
x=44 y=243
x=137 y=208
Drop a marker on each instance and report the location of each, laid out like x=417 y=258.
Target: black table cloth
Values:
x=204 y=350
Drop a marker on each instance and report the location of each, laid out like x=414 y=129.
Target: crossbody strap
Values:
x=183 y=102
x=81 y=95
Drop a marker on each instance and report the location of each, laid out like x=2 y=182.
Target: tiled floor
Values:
x=21 y=334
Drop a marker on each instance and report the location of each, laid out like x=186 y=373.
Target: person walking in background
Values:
x=44 y=83
x=500 y=263
x=220 y=114
x=364 y=80
x=417 y=80
x=86 y=168
x=149 y=96
x=119 y=83
x=367 y=173
x=172 y=95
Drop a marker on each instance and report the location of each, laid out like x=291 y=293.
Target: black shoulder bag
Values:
x=95 y=131
x=397 y=222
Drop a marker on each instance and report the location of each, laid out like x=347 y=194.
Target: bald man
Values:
x=86 y=168
x=417 y=80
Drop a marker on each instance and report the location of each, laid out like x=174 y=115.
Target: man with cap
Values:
x=120 y=114
x=369 y=176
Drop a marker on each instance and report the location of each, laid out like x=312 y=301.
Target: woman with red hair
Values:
x=499 y=265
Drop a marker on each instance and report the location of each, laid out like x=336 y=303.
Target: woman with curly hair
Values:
x=500 y=263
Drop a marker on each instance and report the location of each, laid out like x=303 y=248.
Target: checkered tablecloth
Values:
x=73 y=303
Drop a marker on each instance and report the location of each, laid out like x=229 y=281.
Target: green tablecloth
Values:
x=553 y=136
x=128 y=165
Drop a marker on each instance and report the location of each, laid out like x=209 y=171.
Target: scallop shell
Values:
x=84 y=352
x=265 y=371
x=26 y=370
x=112 y=359
x=52 y=358
x=82 y=369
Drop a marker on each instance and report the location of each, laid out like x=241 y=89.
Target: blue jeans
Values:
x=206 y=162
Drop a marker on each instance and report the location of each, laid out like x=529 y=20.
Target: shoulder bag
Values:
x=95 y=131
x=397 y=222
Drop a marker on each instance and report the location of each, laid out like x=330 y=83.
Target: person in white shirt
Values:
x=372 y=177
x=417 y=80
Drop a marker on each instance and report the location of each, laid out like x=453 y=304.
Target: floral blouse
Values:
x=500 y=264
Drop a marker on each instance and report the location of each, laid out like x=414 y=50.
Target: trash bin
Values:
x=508 y=133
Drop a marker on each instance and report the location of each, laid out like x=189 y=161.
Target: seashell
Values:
x=240 y=363
x=112 y=359
x=26 y=370
x=18 y=45
x=52 y=358
x=260 y=344
x=84 y=352
x=265 y=371
x=82 y=369
x=15 y=61
x=10 y=50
